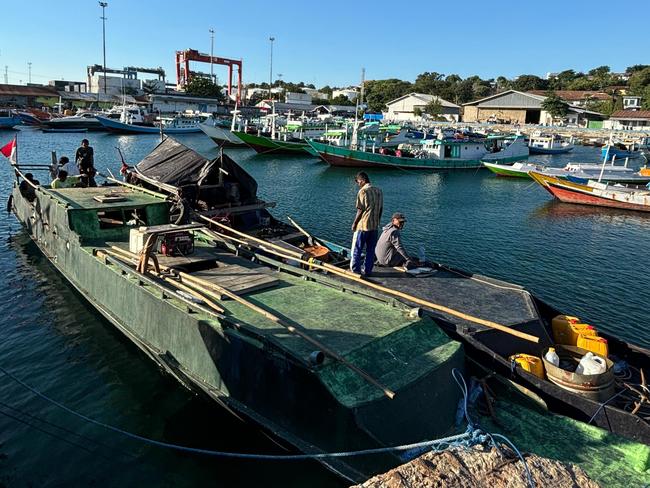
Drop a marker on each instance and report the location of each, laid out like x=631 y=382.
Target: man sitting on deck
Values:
x=65 y=181
x=389 y=249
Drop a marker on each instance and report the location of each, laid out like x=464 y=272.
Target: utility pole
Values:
x=211 y=31
x=29 y=71
x=103 y=5
x=271 y=69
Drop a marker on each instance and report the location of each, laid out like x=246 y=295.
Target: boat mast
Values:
x=354 y=142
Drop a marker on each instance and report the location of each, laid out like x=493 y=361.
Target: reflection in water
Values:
x=606 y=216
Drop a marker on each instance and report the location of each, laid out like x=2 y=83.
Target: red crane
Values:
x=183 y=73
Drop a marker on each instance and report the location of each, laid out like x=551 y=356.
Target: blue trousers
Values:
x=363 y=239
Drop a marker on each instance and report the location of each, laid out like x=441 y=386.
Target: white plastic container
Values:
x=591 y=364
x=552 y=357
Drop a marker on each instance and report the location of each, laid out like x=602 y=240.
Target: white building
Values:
x=404 y=107
x=631 y=102
x=349 y=93
x=301 y=98
x=628 y=120
x=114 y=84
x=316 y=94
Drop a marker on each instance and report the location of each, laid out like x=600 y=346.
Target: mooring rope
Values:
x=471 y=437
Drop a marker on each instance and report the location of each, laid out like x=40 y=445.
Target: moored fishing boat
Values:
x=540 y=143
x=321 y=367
x=502 y=320
x=9 y=119
x=283 y=144
x=220 y=133
x=447 y=153
x=609 y=173
x=170 y=125
x=595 y=193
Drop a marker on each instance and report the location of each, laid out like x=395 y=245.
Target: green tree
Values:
x=639 y=81
x=203 y=87
x=433 y=108
x=380 y=92
x=327 y=90
x=502 y=84
x=417 y=111
x=529 y=82
x=630 y=70
x=341 y=100
x=555 y=106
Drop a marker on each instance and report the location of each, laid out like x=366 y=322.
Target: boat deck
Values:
x=480 y=296
x=341 y=321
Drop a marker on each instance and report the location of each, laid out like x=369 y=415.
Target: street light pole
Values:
x=211 y=31
x=271 y=68
x=103 y=5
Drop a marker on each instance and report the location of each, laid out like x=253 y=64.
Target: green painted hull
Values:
x=266 y=145
x=503 y=170
x=346 y=157
x=250 y=364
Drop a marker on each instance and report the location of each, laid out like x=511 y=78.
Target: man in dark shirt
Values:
x=85 y=158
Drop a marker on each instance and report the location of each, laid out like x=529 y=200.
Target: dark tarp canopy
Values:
x=175 y=164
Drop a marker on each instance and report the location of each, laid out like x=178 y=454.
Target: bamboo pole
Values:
x=274 y=318
x=287 y=254
x=196 y=292
x=296 y=255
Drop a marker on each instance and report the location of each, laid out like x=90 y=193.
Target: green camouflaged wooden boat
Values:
x=240 y=358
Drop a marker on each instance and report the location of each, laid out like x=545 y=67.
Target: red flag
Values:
x=9 y=150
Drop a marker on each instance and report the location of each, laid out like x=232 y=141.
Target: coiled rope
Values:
x=471 y=437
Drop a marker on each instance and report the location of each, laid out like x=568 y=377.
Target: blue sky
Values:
x=326 y=42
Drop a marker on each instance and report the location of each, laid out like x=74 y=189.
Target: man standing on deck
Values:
x=85 y=158
x=370 y=203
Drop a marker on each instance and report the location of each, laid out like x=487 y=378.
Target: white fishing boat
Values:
x=541 y=143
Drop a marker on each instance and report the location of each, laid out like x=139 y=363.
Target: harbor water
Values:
x=586 y=261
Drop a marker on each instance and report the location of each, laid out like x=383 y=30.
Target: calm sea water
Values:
x=588 y=262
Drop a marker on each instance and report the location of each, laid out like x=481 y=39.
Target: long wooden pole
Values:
x=197 y=292
x=292 y=255
x=274 y=318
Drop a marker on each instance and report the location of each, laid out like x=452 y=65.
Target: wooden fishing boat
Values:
x=493 y=319
x=595 y=193
x=540 y=143
x=284 y=144
x=320 y=366
x=174 y=125
x=448 y=153
x=221 y=135
x=609 y=173
x=9 y=119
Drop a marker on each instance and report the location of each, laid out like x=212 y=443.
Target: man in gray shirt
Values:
x=389 y=249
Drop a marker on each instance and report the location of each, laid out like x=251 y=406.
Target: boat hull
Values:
x=266 y=145
x=221 y=136
x=120 y=127
x=543 y=150
x=345 y=157
x=504 y=171
x=81 y=123
x=241 y=369
x=583 y=194
x=9 y=122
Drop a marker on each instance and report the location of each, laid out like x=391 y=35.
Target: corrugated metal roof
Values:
x=425 y=98
x=27 y=91
x=630 y=114
x=522 y=97
x=575 y=95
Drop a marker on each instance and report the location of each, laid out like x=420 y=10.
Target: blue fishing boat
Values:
x=8 y=119
x=621 y=150
x=172 y=125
